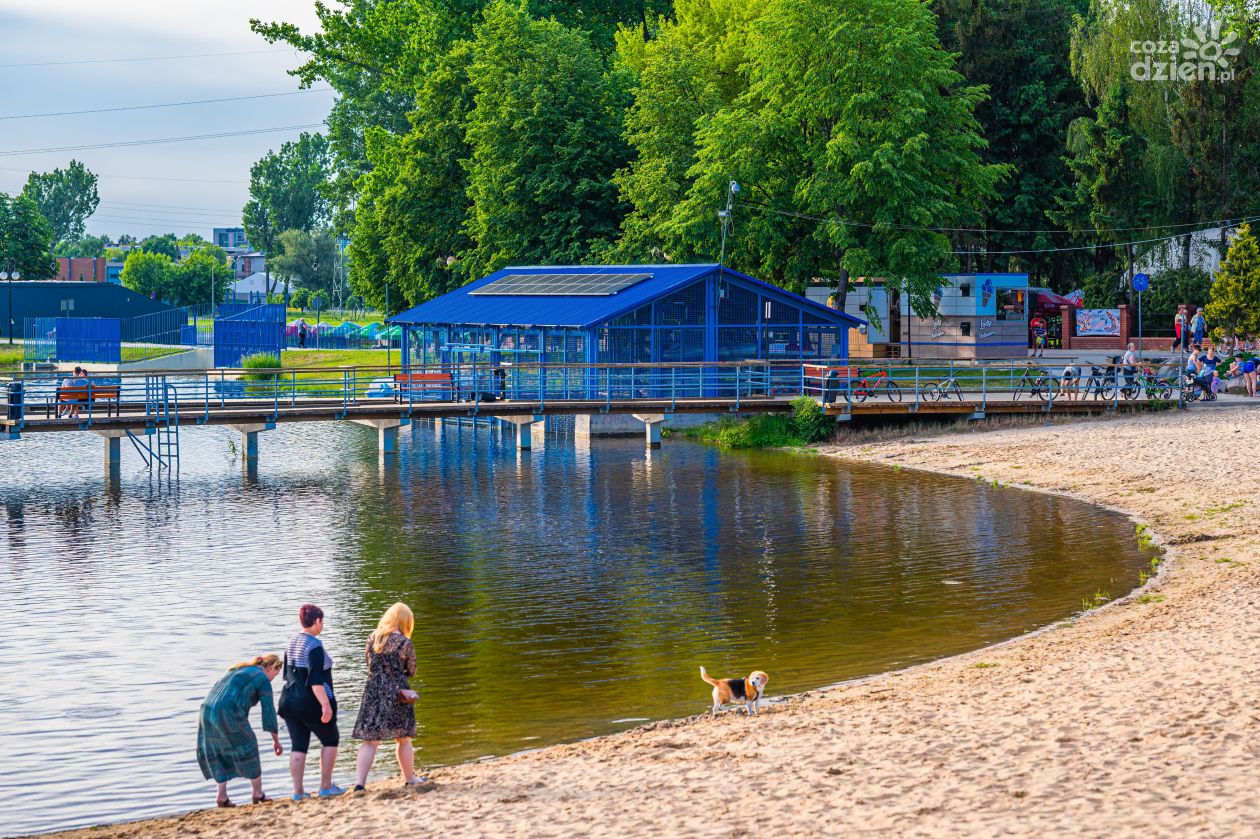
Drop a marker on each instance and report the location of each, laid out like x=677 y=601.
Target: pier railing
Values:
x=540 y=386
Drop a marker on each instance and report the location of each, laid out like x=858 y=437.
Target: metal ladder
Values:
x=161 y=407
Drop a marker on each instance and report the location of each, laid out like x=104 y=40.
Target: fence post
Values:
x=916 y=387
x=738 y=367
x=984 y=388
x=1115 y=404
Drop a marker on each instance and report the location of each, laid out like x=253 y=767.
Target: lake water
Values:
x=560 y=593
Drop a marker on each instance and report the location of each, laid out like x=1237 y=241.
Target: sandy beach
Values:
x=1139 y=718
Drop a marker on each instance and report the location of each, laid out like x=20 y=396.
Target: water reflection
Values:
x=562 y=592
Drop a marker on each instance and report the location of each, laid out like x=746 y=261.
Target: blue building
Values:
x=657 y=315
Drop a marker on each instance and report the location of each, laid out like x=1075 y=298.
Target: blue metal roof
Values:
x=463 y=307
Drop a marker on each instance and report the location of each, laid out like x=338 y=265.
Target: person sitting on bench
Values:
x=79 y=379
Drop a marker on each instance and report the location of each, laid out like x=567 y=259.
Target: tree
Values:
x=854 y=117
x=66 y=197
x=682 y=78
x=1170 y=289
x=409 y=227
x=307 y=260
x=165 y=244
x=149 y=273
x=543 y=144
x=199 y=279
x=85 y=246
x=285 y=194
x=26 y=239
x=1234 y=306
x=301 y=299
x=1019 y=50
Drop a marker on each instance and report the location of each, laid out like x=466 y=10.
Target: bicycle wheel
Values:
x=1041 y=388
x=1165 y=389
x=932 y=393
x=894 y=391
x=860 y=393
x=1107 y=392
x=957 y=391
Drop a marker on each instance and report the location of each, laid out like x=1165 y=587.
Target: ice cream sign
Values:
x=986 y=292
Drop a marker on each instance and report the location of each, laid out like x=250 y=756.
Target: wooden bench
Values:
x=81 y=396
x=423 y=384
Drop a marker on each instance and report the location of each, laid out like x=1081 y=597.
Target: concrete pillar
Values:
x=387 y=432
x=652 y=424
x=249 y=439
x=524 y=433
x=112 y=439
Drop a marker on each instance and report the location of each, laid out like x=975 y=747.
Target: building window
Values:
x=1011 y=303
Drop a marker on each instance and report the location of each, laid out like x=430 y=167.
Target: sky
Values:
x=184 y=187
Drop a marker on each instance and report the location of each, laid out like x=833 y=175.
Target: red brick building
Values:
x=82 y=269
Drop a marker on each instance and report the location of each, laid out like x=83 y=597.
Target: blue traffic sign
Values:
x=1141 y=282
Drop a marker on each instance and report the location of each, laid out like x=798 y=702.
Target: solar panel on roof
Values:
x=565 y=285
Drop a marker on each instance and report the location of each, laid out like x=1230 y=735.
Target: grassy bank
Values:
x=295 y=359
x=806 y=425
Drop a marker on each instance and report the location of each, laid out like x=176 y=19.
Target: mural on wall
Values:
x=1097 y=323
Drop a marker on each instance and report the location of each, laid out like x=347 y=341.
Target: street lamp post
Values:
x=9 y=275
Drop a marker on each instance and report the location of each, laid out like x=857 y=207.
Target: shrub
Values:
x=810 y=420
x=301 y=299
x=261 y=361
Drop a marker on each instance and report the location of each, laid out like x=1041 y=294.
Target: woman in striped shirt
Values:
x=308 y=705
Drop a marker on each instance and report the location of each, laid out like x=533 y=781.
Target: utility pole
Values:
x=10 y=274
x=724 y=216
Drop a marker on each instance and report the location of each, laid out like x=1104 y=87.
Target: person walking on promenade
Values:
x=302 y=334
x=387 y=712
x=308 y=705
x=1040 y=332
x=226 y=747
x=1198 y=326
x=1180 y=330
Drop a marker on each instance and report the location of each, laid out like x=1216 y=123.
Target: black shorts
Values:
x=300 y=731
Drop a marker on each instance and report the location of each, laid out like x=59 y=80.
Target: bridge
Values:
x=148 y=409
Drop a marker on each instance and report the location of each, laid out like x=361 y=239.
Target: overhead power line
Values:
x=167 y=104
x=141 y=58
x=1101 y=246
x=1207 y=225
x=161 y=140
x=168 y=206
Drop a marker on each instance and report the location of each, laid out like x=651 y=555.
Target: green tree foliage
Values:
x=66 y=197
x=166 y=244
x=1234 y=306
x=26 y=239
x=286 y=193
x=1170 y=289
x=307 y=260
x=682 y=78
x=1020 y=51
x=148 y=273
x=409 y=226
x=85 y=246
x=853 y=115
x=543 y=142
x=301 y=299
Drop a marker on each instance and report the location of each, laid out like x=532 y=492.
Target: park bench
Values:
x=423 y=386
x=83 y=396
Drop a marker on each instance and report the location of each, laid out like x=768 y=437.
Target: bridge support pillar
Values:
x=386 y=431
x=652 y=424
x=113 y=447
x=524 y=432
x=249 y=439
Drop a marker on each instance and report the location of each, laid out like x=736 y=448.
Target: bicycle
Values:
x=1034 y=381
x=937 y=391
x=870 y=384
x=1145 y=381
x=1100 y=384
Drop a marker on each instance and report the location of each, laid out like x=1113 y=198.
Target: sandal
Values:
x=261 y=797
x=227 y=802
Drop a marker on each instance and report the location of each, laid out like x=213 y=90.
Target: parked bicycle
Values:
x=937 y=391
x=1034 y=382
x=1145 y=381
x=880 y=380
x=1101 y=384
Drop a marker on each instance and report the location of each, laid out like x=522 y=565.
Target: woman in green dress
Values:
x=226 y=746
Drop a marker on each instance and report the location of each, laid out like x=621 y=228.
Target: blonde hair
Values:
x=397 y=618
x=269 y=661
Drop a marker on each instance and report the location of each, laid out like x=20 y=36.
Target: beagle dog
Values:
x=726 y=691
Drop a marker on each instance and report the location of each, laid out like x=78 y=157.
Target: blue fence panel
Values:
x=96 y=340
x=251 y=311
x=41 y=340
x=235 y=339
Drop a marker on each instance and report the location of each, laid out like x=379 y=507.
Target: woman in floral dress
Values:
x=391 y=662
